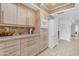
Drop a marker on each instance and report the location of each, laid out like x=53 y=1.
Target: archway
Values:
x=75 y=29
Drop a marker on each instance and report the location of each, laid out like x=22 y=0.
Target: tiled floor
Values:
x=64 y=48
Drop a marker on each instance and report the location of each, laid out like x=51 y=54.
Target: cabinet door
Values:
x=8 y=13
x=24 y=46
x=9 y=48
x=21 y=18
x=31 y=17
x=0 y=14
x=29 y=46
x=32 y=46
x=43 y=41
x=37 y=38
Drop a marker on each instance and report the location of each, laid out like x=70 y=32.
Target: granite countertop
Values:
x=17 y=37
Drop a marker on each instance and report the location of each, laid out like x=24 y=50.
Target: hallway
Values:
x=64 y=48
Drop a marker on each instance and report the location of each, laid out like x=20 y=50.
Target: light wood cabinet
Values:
x=9 y=48
x=31 y=17
x=43 y=42
x=19 y=15
x=22 y=16
x=37 y=38
x=24 y=46
x=29 y=46
x=26 y=16
x=0 y=14
x=33 y=49
x=8 y=12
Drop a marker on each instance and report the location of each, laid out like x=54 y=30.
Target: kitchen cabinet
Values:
x=26 y=16
x=0 y=14
x=19 y=15
x=8 y=13
x=9 y=48
x=31 y=17
x=25 y=46
x=29 y=46
x=34 y=48
x=43 y=42
x=22 y=16
x=44 y=19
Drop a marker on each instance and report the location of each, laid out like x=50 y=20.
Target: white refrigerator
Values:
x=52 y=33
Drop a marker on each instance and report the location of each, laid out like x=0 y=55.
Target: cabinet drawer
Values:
x=9 y=48
x=24 y=52
x=7 y=44
x=33 y=50
x=31 y=42
x=24 y=40
x=30 y=47
x=28 y=44
x=30 y=51
x=8 y=51
x=6 y=47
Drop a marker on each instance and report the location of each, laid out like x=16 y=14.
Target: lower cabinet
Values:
x=28 y=46
x=9 y=48
x=23 y=47
x=43 y=42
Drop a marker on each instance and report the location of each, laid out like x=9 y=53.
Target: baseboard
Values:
x=41 y=51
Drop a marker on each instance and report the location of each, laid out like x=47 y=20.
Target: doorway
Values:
x=75 y=30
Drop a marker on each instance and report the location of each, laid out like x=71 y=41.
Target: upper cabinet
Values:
x=31 y=17
x=22 y=16
x=17 y=14
x=8 y=13
x=26 y=16
x=44 y=19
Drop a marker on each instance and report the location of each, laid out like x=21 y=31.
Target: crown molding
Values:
x=32 y=6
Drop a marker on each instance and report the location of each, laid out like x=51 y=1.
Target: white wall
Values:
x=73 y=29
x=65 y=26
x=65 y=21
x=44 y=23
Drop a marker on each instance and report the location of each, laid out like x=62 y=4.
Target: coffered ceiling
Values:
x=54 y=7
x=51 y=6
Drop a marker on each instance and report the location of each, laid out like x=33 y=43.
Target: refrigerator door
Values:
x=53 y=34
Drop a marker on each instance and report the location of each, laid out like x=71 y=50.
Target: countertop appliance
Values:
x=31 y=30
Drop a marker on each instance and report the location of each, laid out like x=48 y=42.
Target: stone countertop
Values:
x=17 y=37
